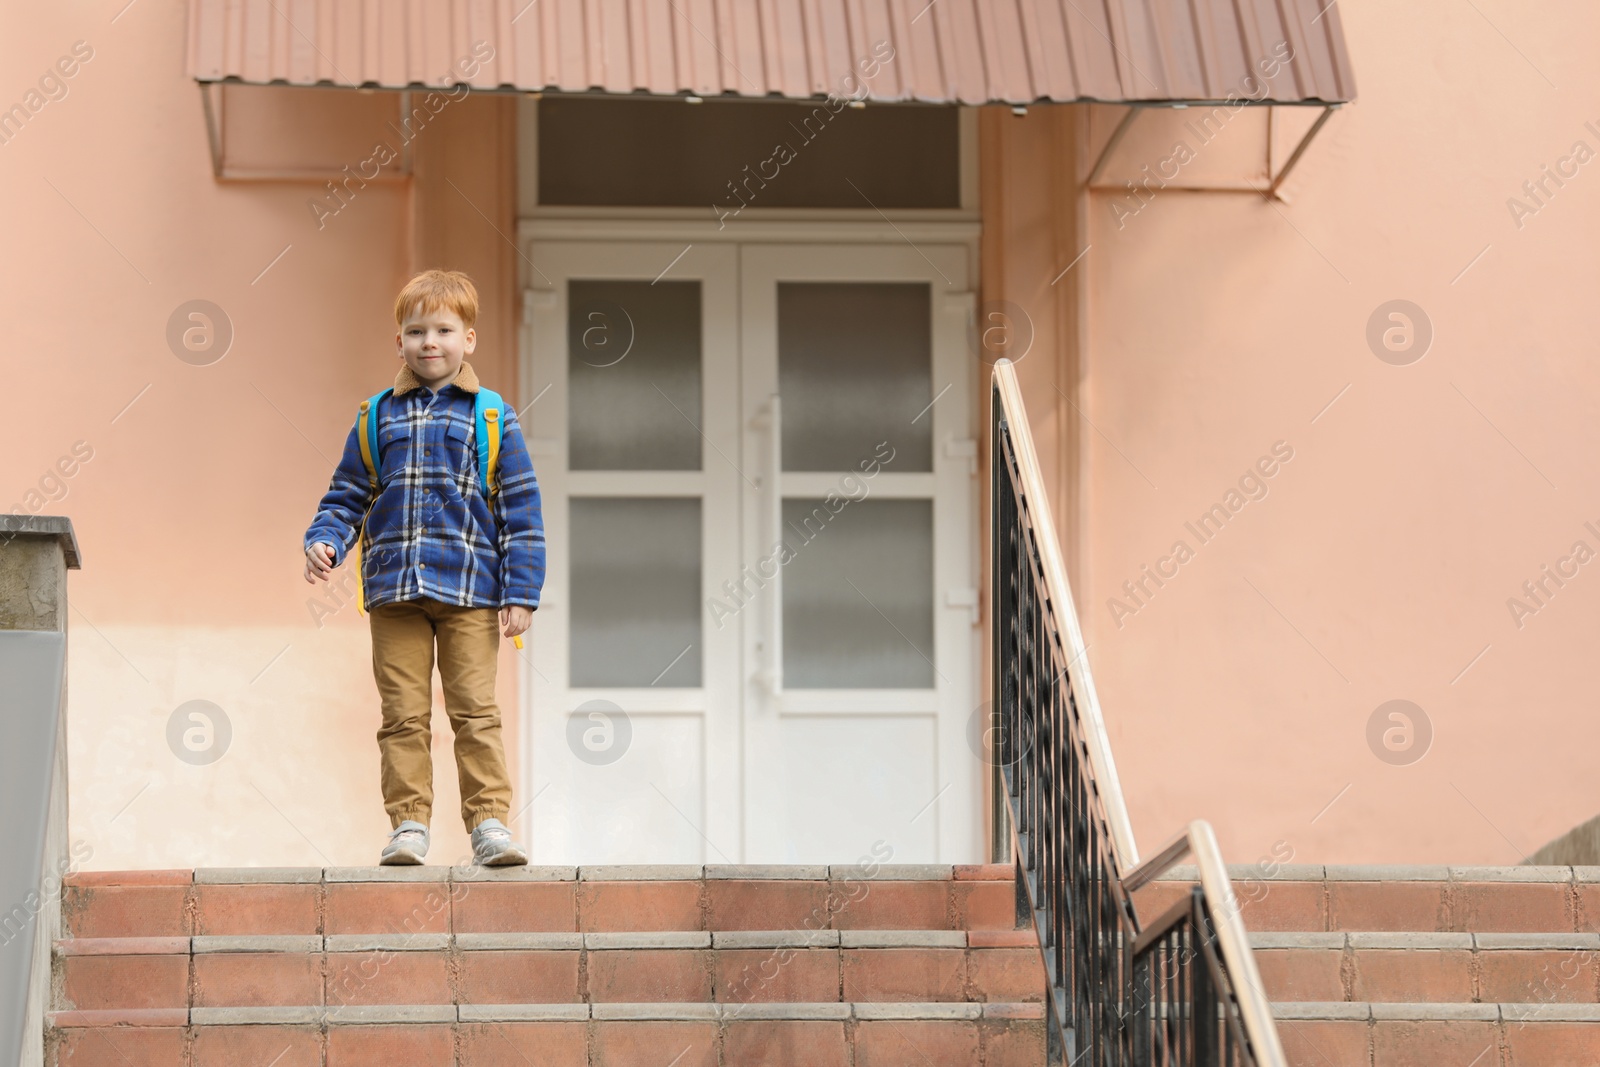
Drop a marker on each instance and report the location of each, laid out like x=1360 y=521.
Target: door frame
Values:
x=960 y=840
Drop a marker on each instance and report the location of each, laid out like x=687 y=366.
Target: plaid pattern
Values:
x=430 y=533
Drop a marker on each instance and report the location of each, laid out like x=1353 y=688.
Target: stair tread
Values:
x=370 y=1013
x=1337 y=940
x=592 y=940
x=1397 y=872
x=889 y=872
x=1509 y=1011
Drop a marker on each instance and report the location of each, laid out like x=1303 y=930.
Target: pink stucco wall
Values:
x=192 y=485
x=1377 y=567
x=1380 y=564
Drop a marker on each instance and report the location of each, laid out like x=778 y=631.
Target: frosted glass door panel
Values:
x=854 y=368
x=633 y=375
x=635 y=591
x=858 y=595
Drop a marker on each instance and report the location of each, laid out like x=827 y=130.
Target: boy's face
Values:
x=433 y=344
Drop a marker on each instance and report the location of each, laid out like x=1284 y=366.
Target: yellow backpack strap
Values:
x=364 y=436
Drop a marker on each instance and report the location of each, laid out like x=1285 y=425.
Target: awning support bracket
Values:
x=211 y=103
x=1111 y=144
x=1271 y=191
x=1300 y=149
x=213 y=123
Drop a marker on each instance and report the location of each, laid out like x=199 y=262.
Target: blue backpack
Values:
x=487 y=407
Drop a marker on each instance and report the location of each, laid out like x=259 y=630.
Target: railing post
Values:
x=1207 y=1051
x=999 y=804
x=36 y=551
x=1136 y=1012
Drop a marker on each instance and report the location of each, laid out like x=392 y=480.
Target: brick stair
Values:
x=1424 y=966
x=613 y=966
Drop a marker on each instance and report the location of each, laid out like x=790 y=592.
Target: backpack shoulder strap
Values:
x=367 y=435
x=488 y=409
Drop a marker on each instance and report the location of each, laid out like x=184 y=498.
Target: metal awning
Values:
x=1016 y=52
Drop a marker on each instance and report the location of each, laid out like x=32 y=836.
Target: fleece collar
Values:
x=407 y=379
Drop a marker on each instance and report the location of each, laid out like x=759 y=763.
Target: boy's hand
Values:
x=515 y=619
x=319 y=561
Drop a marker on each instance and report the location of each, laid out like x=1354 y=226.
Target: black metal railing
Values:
x=1120 y=995
x=1180 y=991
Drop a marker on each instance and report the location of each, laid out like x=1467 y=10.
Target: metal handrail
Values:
x=1077 y=843
x=1065 y=613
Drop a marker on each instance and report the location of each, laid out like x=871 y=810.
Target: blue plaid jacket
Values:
x=430 y=532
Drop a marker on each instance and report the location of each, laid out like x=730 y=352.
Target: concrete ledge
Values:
x=1284 y=872
x=527 y=873
x=661 y=939
x=1340 y=872
x=765 y=872
x=1556 y=941
x=90 y=879
x=1550 y=1013
x=256 y=1016
x=780 y=1010
x=1511 y=874
x=668 y=1012
x=418 y=873
x=1437 y=1012
x=56 y=527
x=122 y=946
x=1267 y=939
x=955 y=1010
x=535 y=942
x=367 y=1014
x=257 y=875
x=66 y=1020
x=1249 y=872
x=387 y=942
x=635 y=872
x=206 y=943
x=1401 y=939
x=1377 y=872
x=902 y=939
x=521 y=1013
x=893 y=872
x=775 y=938
x=1307 y=1010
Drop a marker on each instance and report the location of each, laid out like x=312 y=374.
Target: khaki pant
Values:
x=403 y=636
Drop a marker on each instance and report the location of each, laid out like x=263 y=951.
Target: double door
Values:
x=758 y=639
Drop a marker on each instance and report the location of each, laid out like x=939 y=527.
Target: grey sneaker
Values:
x=408 y=843
x=492 y=846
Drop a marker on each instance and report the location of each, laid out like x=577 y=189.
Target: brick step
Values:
x=417 y=900
x=619 y=1035
x=556 y=968
x=1342 y=1034
x=1429 y=967
x=1393 y=898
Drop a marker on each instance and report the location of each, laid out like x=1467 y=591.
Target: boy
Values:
x=437 y=561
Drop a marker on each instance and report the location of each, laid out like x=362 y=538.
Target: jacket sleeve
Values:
x=518 y=519
x=349 y=494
